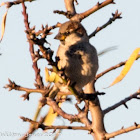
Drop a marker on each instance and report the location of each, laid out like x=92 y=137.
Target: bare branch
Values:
x=98 y=6
x=115 y=16
x=38 y=78
x=122 y=131
x=112 y=68
x=10 y=4
x=57 y=109
x=122 y=102
x=44 y=127
x=97 y=119
x=67 y=14
x=69 y=4
x=13 y=85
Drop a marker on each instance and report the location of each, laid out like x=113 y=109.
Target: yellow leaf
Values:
x=53 y=77
x=37 y=111
x=3 y=24
x=47 y=74
x=127 y=66
x=3 y=3
x=51 y=116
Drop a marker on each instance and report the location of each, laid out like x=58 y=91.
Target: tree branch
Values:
x=97 y=116
x=67 y=14
x=69 y=4
x=59 y=111
x=13 y=85
x=10 y=4
x=38 y=78
x=115 y=16
x=122 y=131
x=44 y=127
x=81 y=16
x=112 y=68
x=122 y=102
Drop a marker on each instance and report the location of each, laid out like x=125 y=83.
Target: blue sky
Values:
x=16 y=64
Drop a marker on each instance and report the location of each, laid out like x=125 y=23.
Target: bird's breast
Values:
x=77 y=60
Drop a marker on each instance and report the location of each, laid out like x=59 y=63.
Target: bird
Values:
x=79 y=60
x=77 y=57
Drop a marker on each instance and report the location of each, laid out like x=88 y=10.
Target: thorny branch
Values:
x=71 y=12
x=13 y=85
x=56 y=108
x=47 y=53
x=122 y=102
x=39 y=83
x=81 y=16
x=38 y=78
x=67 y=14
x=122 y=131
x=112 y=68
x=44 y=127
x=115 y=16
x=45 y=100
x=10 y=4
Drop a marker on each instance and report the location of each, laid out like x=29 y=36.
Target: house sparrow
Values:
x=77 y=56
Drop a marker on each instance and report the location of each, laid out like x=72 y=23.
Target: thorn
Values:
x=135 y=124
x=113 y=2
x=98 y=4
x=10 y=82
x=54 y=131
x=125 y=105
x=76 y=2
x=33 y=28
x=90 y=131
x=122 y=127
x=113 y=15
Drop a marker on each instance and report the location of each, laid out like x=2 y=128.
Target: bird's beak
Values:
x=60 y=37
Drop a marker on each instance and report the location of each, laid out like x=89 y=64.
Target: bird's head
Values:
x=71 y=32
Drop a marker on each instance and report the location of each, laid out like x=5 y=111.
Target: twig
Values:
x=56 y=108
x=122 y=102
x=81 y=16
x=44 y=127
x=34 y=36
x=83 y=114
x=38 y=78
x=112 y=68
x=13 y=85
x=67 y=14
x=39 y=83
x=115 y=16
x=122 y=131
x=10 y=4
x=57 y=134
